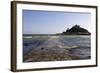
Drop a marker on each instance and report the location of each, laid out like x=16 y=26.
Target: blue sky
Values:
x=51 y=22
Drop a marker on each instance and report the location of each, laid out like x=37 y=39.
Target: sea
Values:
x=78 y=45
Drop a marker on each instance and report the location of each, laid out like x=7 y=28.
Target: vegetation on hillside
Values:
x=76 y=29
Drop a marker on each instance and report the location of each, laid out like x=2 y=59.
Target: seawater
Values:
x=81 y=42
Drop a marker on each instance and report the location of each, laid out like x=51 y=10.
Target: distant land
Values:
x=74 y=30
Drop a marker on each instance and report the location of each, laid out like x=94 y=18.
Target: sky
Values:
x=52 y=22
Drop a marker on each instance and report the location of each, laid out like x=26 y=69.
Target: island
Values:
x=76 y=30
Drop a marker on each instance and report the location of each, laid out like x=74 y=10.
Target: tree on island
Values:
x=76 y=29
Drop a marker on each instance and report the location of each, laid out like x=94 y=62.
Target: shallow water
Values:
x=78 y=45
